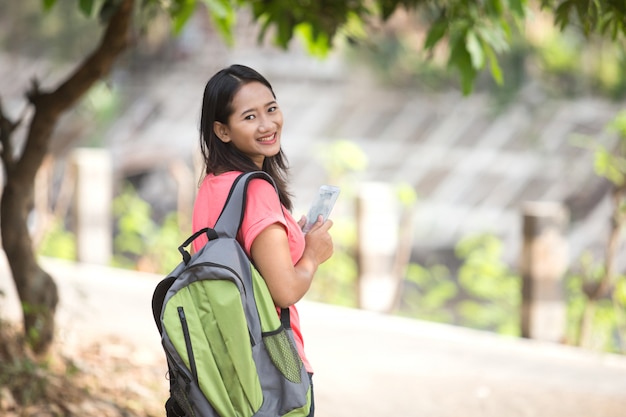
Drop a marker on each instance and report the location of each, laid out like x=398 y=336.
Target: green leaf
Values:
x=462 y=61
x=436 y=33
x=506 y=31
x=494 y=7
x=475 y=49
x=225 y=27
x=417 y=274
x=354 y=27
x=86 y=6
x=609 y=166
x=387 y=8
x=285 y=32
x=496 y=36
x=182 y=13
x=618 y=125
x=518 y=7
x=220 y=8
x=316 y=44
x=438 y=295
x=407 y=196
x=562 y=15
x=48 y=4
x=264 y=23
x=494 y=66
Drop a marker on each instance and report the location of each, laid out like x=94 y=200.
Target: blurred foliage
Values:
x=468 y=38
x=58 y=242
x=336 y=279
x=341 y=159
x=569 y=64
x=494 y=289
x=438 y=43
x=597 y=289
x=98 y=110
x=59 y=35
x=616 y=165
x=609 y=313
x=430 y=295
x=565 y=60
x=485 y=294
x=103 y=102
x=140 y=242
x=591 y=16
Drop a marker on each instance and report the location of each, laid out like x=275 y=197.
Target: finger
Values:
x=322 y=225
x=302 y=221
x=318 y=223
x=327 y=224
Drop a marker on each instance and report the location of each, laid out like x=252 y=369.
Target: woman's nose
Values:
x=264 y=124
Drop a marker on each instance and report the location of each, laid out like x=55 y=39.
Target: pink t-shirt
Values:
x=263 y=208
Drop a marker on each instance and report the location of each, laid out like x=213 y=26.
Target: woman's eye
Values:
x=249 y=117
x=272 y=109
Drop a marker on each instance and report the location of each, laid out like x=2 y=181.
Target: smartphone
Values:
x=323 y=204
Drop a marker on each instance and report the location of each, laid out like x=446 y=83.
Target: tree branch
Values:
x=50 y=105
x=6 y=130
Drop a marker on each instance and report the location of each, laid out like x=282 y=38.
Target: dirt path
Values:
x=366 y=364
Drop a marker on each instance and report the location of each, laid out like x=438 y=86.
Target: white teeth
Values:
x=266 y=139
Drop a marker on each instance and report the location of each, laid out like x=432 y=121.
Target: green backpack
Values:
x=228 y=352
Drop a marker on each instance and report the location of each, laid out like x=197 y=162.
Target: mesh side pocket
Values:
x=284 y=355
x=178 y=392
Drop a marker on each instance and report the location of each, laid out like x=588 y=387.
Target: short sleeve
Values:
x=263 y=208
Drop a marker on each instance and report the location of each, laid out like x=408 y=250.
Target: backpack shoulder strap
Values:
x=230 y=218
x=157 y=299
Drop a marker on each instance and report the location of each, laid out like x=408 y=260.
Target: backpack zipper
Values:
x=229 y=269
x=192 y=361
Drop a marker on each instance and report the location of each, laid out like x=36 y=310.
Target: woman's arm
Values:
x=287 y=282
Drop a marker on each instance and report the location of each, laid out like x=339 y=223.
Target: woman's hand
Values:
x=319 y=243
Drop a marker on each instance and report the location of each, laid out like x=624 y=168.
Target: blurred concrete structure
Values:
x=542 y=266
x=93 y=201
x=472 y=166
x=378 y=224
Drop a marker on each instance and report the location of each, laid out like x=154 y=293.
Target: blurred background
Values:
x=497 y=207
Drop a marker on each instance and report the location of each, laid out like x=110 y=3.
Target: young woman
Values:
x=240 y=131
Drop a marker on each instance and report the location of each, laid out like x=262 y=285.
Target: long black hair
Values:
x=217 y=106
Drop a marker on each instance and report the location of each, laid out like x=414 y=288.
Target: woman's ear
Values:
x=221 y=131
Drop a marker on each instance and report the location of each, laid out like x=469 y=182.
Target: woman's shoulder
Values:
x=228 y=176
x=214 y=182
x=223 y=182
x=262 y=186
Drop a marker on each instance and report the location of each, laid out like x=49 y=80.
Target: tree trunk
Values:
x=36 y=288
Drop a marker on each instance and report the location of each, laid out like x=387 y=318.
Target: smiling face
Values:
x=255 y=123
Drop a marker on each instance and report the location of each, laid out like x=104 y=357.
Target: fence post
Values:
x=377 y=243
x=92 y=205
x=544 y=260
